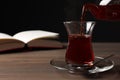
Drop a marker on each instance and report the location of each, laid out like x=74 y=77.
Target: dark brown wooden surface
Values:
x=34 y=65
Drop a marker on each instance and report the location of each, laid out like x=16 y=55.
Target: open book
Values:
x=30 y=39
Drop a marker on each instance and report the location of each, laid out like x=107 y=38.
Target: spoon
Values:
x=103 y=59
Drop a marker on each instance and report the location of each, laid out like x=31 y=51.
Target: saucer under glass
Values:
x=102 y=66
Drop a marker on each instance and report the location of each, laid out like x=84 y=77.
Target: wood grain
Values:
x=34 y=65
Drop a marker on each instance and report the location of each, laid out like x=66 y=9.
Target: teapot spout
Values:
x=94 y=9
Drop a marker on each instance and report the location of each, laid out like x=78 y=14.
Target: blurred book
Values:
x=30 y=39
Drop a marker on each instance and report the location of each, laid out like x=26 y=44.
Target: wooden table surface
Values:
x=35 y=65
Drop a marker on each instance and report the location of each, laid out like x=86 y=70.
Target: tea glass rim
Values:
x=72 y=21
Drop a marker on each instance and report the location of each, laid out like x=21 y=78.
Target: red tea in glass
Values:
x=79 y=49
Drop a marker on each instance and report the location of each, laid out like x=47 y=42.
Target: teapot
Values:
x=108 y=10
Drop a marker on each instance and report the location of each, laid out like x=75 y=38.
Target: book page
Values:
x=29 y=35
x=7 y=42
x=4 y=36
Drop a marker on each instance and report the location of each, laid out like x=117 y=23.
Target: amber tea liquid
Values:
x=79 y=49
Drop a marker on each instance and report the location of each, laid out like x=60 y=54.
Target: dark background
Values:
x=49 y=15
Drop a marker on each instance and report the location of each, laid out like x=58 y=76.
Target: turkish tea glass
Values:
x=79 y=50
x=79 y=55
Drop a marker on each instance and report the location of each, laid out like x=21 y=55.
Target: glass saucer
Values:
x=102 y=66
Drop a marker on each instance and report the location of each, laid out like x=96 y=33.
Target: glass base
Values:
x=102 y=66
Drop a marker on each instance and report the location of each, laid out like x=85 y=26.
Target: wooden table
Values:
x=34 y=65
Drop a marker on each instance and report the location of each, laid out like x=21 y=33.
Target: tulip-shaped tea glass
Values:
x=79 y=54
